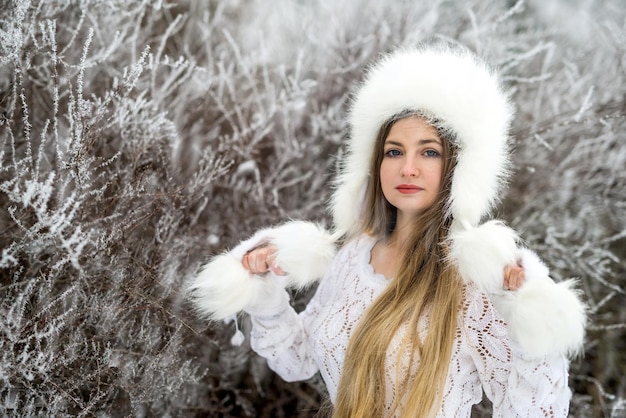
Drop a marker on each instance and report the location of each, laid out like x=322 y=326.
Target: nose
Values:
x=409 y=168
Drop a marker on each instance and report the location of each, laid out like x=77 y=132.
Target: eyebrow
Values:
x=420 y=142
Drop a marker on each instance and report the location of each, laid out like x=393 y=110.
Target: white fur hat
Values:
x=451 y=84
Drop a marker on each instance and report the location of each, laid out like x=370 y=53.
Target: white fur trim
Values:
x=305 y=251
x=224 y=287
x=544 y=317
x=452 y=85
x=482 y=253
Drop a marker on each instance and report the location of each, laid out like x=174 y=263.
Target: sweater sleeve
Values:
x=283 y=339
x=517 y=384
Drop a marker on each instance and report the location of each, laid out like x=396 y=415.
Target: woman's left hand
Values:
x=514 y=277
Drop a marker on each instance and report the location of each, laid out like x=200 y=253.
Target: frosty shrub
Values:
x=139 y=138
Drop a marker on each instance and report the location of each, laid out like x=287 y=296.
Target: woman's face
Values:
x=412 y=164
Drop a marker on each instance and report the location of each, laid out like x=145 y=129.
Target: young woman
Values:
x=412 y=316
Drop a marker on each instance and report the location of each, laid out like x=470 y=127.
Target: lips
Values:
x=408 y=189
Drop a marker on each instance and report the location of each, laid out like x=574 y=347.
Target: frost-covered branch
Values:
x=139 y=138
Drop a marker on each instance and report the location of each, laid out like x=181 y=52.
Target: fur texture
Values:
x=481 y=253
x=224 y=287
x=464 y=94
x=305 y=250
x=543 y=316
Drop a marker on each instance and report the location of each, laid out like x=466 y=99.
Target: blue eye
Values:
x=431 y=153
x=393 y=153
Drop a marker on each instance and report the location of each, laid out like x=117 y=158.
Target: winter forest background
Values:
x=138 y=138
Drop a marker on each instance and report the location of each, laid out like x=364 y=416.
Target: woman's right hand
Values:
x=262 y=259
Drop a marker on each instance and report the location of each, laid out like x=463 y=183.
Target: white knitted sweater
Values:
x=484 y=357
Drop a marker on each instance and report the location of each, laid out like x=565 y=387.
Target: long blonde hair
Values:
x=425 y=284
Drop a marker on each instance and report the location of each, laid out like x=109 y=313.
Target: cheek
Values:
x=438 y=174
x=435 y=173
x=382 y=173
x=385 y=179
x=385 y=173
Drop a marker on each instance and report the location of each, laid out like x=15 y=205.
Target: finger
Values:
x=520 y=276
x=271 y=261
x=260 y=265
x=252 y=262
x=276 y=269
x=507 y=277
x=246 y=262
x=515 y=284
x=517 y=278
x=267 y=256
x=513 y=281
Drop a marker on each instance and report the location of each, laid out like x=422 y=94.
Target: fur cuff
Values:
x=544 y=317
x=305 y=251
x=481 y=253
x=224 y=287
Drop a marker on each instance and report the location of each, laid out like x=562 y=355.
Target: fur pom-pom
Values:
x=481 y=253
